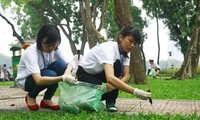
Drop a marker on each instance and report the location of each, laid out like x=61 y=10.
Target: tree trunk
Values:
x=137 y=67
x=93 y=35
x=123 y=17
x=69 y=36
x=190 y=63
x=157 y=23
x=14 y=31
x=122 y=13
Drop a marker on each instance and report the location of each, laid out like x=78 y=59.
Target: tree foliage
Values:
x=112 y=29
x=178 y=16
x=182 y=19
x=32 y=14
x=190 y=63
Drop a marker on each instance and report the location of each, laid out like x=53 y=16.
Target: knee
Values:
x=49 y=73
x=60 y=64
x=53 y=73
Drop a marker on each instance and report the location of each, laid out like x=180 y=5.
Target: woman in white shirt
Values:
x=154 y=68
x=109 y=63
x=42 y=66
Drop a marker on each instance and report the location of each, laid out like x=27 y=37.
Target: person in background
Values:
x=42 y=65
x=108 y=62
x=5 y=73
x=76 y=60
x=10 y=70
x=154 y=68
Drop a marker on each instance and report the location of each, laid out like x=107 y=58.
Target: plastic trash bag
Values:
x=84 y=96
x=153 y=73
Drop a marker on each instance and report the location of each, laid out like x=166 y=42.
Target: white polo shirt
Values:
x=108 y=52
x=32 y=61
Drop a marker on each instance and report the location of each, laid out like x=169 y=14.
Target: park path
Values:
x=13 y=99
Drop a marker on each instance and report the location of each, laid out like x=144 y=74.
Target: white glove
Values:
x=69 y=79
x=142 y=94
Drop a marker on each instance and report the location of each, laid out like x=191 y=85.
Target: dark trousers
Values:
x=149 y=70
x=57 y=68
x=99 y=79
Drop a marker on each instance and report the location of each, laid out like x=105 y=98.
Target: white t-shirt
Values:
x=108 y=52
x=32 y=61
x=154 y=65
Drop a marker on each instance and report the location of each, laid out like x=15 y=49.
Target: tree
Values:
x=112 y=28
x=65 y=14
x=32 y=14
x=87 y=17
x=189 y=66
x=158 y=38
x=180 y=19
x=52 y=12
x=15 y=34
x=153 y=7
x=137 y=66
x=178 y=16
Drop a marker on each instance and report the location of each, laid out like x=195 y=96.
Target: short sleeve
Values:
x=31 y=62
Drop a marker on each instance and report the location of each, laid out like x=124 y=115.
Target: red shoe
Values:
x=32 y=107
x=44 y=105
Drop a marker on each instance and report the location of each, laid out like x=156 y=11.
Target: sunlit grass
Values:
x=6 y=83
x=170 y=89
x=61 y=115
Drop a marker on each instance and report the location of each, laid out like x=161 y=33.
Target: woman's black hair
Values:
x=51 y=33
x=127 y=31
x=131 y=30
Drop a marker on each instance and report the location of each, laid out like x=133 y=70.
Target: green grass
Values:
x=188 y=89
x=61 y=115
x=6 y=83
x=168 y=72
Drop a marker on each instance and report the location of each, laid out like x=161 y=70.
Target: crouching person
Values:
x=109 y=63
x=42 y=66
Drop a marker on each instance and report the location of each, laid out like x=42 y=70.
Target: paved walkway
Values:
x=13 y=99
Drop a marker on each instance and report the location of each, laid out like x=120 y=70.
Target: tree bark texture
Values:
x=122 y=13
x=137 y=67
x=123 y=17
x=93 y=35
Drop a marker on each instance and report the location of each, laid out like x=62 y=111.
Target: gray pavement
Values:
x=13 y=99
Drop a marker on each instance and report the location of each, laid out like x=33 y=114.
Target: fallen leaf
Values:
x=12 y=105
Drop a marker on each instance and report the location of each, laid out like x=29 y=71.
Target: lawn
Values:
x=170 y=89
x=160 y=88
x=60 y=115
